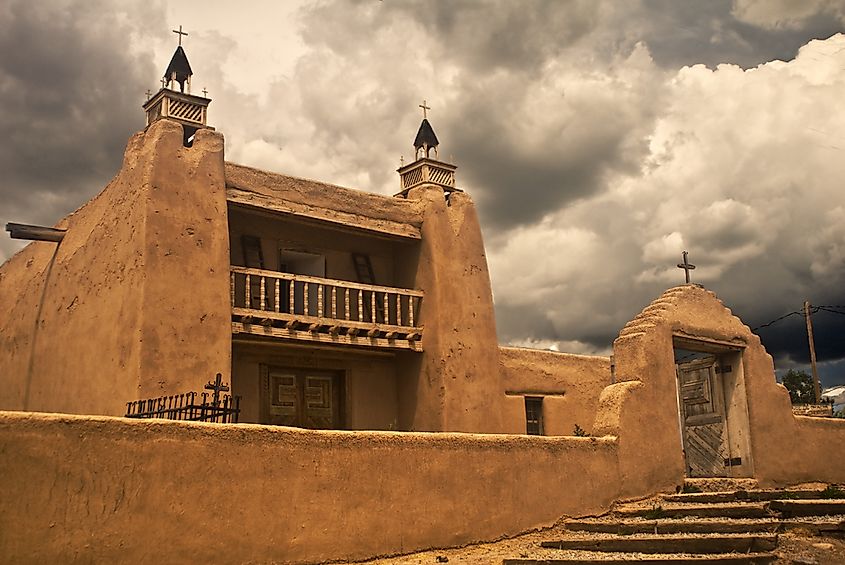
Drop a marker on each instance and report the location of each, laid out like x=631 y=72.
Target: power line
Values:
x=776 y=320
x=813 y=310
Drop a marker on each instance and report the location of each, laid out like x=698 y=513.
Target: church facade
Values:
x=326 y=308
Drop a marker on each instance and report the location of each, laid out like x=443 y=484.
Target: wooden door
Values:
x=302 y=398
x=703 y=418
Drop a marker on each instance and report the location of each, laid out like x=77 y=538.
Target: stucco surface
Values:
x=321 y=201
x=140 y=279
x=109 y=490
x=455 y=384
x=574 y=381
x=641 y=408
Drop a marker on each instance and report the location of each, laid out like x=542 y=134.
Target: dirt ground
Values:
x=795 y=547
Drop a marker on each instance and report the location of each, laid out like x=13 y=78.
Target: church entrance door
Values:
x=703 y=418
x=302 y=398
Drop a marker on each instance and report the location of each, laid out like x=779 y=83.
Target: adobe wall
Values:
x=642 y=407
x=370 y=388
x=454 y=385
x=111 y=490
x=142 y=273
x=569 y=384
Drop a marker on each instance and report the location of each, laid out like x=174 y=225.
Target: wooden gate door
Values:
x=703 y=418
x=302 y=398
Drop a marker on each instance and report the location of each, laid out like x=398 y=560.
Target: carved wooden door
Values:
x=302 y=398
x=703 y=417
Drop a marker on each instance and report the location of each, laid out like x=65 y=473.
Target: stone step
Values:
x=720 y=484
x=792 y=508
x=747 y=559
x=713 y=510
x=741 y=543
x=630 y=527
x=743 y=496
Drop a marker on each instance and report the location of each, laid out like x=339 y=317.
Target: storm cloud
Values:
x=599 y=139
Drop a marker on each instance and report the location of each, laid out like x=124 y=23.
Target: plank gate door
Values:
x=302 y=398
x=703 y=418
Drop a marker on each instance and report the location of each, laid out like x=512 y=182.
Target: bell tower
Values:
x=424 y=169
x=188 y=109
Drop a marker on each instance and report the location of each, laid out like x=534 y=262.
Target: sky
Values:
x=599 y=139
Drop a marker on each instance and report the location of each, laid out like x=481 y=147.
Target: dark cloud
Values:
x=71 y=92
x=709 y=33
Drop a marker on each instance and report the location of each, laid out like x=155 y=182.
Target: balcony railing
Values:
x=308 y=308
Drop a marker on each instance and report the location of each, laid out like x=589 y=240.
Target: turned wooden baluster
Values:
x=261 y=292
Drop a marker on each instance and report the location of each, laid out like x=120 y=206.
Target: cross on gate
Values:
x=205 y=92
x=148 y=93
x=181 y=33
x=217 y=386
x=686 y=266
x=424 y=108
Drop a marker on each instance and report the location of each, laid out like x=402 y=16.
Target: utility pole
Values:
x=816 y=387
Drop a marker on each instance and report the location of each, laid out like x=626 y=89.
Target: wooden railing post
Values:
x=262 y=293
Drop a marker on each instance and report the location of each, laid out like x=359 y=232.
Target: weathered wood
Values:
x=326 y=338
x=629 y=527
x=664 y=544
x=743 y=495
x=749 y=510
x=320 y=280
x=361 y=326
x=790 y=508
x=756 y=559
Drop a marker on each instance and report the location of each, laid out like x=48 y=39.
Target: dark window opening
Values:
x=534 y=415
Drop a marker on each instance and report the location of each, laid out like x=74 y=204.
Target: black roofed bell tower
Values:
x=424 y=169
x=188 y=109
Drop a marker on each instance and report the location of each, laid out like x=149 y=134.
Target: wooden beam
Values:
x=324 y=338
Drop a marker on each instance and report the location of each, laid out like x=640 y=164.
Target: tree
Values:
x=800 y=387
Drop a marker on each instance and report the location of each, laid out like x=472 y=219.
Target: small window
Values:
x=534 y=415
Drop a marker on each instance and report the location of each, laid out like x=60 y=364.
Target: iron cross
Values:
x=686 y=266
x=181 y=33
x=424 y=109
x=204 y=92
x=217 y=386
x=148 y=93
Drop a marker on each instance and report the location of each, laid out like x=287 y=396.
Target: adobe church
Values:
x=358 y=331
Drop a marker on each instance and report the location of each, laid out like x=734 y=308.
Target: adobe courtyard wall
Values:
x=641 y=408
x=139 y=280
x=569 y=384
x=112 y=490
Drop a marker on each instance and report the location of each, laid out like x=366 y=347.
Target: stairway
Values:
x=727 y=522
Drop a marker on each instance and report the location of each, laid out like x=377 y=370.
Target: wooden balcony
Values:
x=303 y=308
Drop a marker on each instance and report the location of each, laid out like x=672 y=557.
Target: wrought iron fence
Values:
x=214 y=407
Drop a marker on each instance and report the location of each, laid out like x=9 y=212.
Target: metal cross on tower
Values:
x=217 y=386
x=181 y=33
x=424 y=109
x=686 y=266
